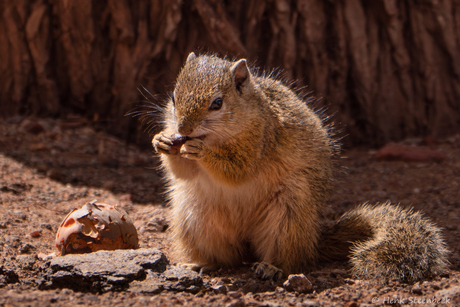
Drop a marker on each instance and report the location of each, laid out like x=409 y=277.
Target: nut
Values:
x=177 y=141
x=96 y=227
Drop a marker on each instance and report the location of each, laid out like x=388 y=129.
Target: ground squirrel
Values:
x=249 y=169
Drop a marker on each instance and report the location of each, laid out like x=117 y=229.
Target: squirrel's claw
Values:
x=163 y=144
x=267 y=271
x=192 y=149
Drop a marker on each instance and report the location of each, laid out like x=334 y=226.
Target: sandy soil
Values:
x=48 y=167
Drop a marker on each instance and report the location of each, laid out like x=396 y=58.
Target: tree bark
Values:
x=387 y=69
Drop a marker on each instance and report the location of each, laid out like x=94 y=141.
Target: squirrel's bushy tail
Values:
x=385 y=242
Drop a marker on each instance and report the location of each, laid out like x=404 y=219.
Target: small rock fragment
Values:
x=297 y=283
x=9 y=276
x=26 y=248
x=182 y=279
x=417 y=290
x=26 y=262
x=239 y=303
x=234 y=294
x=157 y=224
x=349 y=281
x=221 y=289
x=45 y=257
x=46 y=225
x=36 y=233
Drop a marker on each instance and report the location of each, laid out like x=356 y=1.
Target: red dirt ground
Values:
x=48 y=167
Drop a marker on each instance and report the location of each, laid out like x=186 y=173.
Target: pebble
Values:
x=46 y=225
x=238 y=303
x=157 y=224
x=417 y=290
x=297 y=283
x=45 y=257
x=26 y=248
x=26 y=262
x=219 y=289
x=234 y=294
x=36 y=233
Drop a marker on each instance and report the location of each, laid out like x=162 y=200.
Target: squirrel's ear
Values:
x=191 y=57
x=240 y=72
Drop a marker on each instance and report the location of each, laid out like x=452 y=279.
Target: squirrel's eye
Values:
x=216 y=104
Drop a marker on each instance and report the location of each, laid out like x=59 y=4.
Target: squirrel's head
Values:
x=210 y=93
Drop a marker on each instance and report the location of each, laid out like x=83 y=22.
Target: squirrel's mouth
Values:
x=195 y=135
x=191 y=136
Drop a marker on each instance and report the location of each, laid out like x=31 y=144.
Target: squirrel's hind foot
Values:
x=267 y=271
x=201 y=268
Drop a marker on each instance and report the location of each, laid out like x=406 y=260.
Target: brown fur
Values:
x=405 y=245
x=250 y=183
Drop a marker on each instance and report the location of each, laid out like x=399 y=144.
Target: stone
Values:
x=27 y=247
x=297 y=283
x=417 y=290
x=182 y=279
x=8 y=276
x=220 y=289
x=101 y=271
x=173 y=279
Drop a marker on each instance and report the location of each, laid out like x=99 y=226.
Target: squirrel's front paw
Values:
x=163 y=144
x=192 y=149
x=168 y=144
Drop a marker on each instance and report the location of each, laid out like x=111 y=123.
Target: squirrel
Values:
x=249 y=167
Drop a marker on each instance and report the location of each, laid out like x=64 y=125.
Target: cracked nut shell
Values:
x=94 y=227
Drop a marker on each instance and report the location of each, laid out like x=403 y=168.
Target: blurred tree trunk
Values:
x=389 y=69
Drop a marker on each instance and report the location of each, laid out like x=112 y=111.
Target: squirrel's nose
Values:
x=184 y=128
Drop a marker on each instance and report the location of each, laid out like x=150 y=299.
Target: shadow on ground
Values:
x=73 y=152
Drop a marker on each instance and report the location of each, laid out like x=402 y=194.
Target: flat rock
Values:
x=173 y=279
x=402 y=152
x=101 y=271
x=181 y=279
